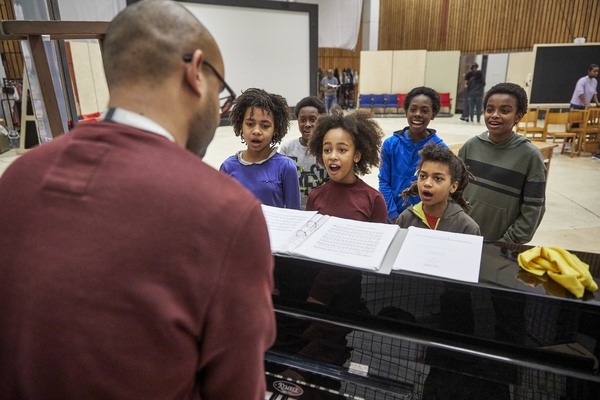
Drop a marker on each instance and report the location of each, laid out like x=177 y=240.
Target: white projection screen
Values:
x=266 y=44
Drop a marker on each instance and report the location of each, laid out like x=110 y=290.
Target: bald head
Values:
x=147 y=40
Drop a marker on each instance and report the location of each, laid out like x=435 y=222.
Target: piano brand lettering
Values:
x=288 y=388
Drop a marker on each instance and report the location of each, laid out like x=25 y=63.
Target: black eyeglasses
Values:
x=225 y=102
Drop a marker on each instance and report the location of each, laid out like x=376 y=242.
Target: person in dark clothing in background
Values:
x=468 y=76
x=475 y=88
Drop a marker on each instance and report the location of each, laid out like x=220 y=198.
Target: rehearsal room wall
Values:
x=275 y=57
x=495 y=73
x=441 y=72
x=392 y=71
x=89 y=79
x=401 y=71
x=408 y=70
x=520 y=68
x=377 y=67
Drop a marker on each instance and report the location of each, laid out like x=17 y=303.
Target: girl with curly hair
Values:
x=347 y=145
x=262 y=119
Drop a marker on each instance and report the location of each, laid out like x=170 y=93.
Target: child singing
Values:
x=509 y=190
x=347 y=145
x=400 y=153
x=310 y=173
x=441 y=180
x=262 y=120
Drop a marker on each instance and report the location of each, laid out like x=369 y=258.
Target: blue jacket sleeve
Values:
x=385 y=181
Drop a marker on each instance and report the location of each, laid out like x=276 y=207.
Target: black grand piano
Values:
x=411 y=336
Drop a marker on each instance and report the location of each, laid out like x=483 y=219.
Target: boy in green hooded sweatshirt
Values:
x=509 y=189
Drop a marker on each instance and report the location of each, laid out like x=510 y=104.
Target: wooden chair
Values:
x=591 y=137
x=578 y=120
x=528 y=126
x=554 y=119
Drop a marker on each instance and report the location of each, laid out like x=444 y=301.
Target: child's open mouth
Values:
x=334 y=168
x=426 y=195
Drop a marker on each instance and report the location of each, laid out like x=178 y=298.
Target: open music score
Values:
x=373 y=246
x=338 y=241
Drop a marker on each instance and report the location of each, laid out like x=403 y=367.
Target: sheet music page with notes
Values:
x=339 y=241
x=284 y=225
x=347 y=242
x=439 y=253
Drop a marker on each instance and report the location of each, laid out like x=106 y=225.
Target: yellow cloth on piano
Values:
x=562 y=266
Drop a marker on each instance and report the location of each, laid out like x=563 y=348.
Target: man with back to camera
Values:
x=128 y=270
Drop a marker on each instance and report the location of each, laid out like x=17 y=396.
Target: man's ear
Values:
x=193 y=73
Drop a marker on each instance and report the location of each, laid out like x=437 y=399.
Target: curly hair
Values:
x=366 y=134
x=426 y=91
x=458 y=172
x=270 y=103
x=310 y=101
x=511 y=89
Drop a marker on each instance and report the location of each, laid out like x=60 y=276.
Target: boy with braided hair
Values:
x=441 y=180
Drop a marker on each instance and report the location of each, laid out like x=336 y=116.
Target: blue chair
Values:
x=391 y=102
x=379 y=101
x=365 y=101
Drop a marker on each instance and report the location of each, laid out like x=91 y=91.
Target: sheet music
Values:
x=347 y=242
x=284 y=224
x=439 y=253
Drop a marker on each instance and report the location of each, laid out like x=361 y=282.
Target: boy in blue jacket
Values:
x=400 y=152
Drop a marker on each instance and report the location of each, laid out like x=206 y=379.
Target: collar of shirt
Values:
x=124 y=117
x=240 y=153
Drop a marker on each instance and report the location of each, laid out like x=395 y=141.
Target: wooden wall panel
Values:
x=475 y=27
x=338 y=58
x=12 y=56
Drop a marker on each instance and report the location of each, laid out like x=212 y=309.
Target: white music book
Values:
x=339 y=241
x=372 y=246
x=445 y=254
